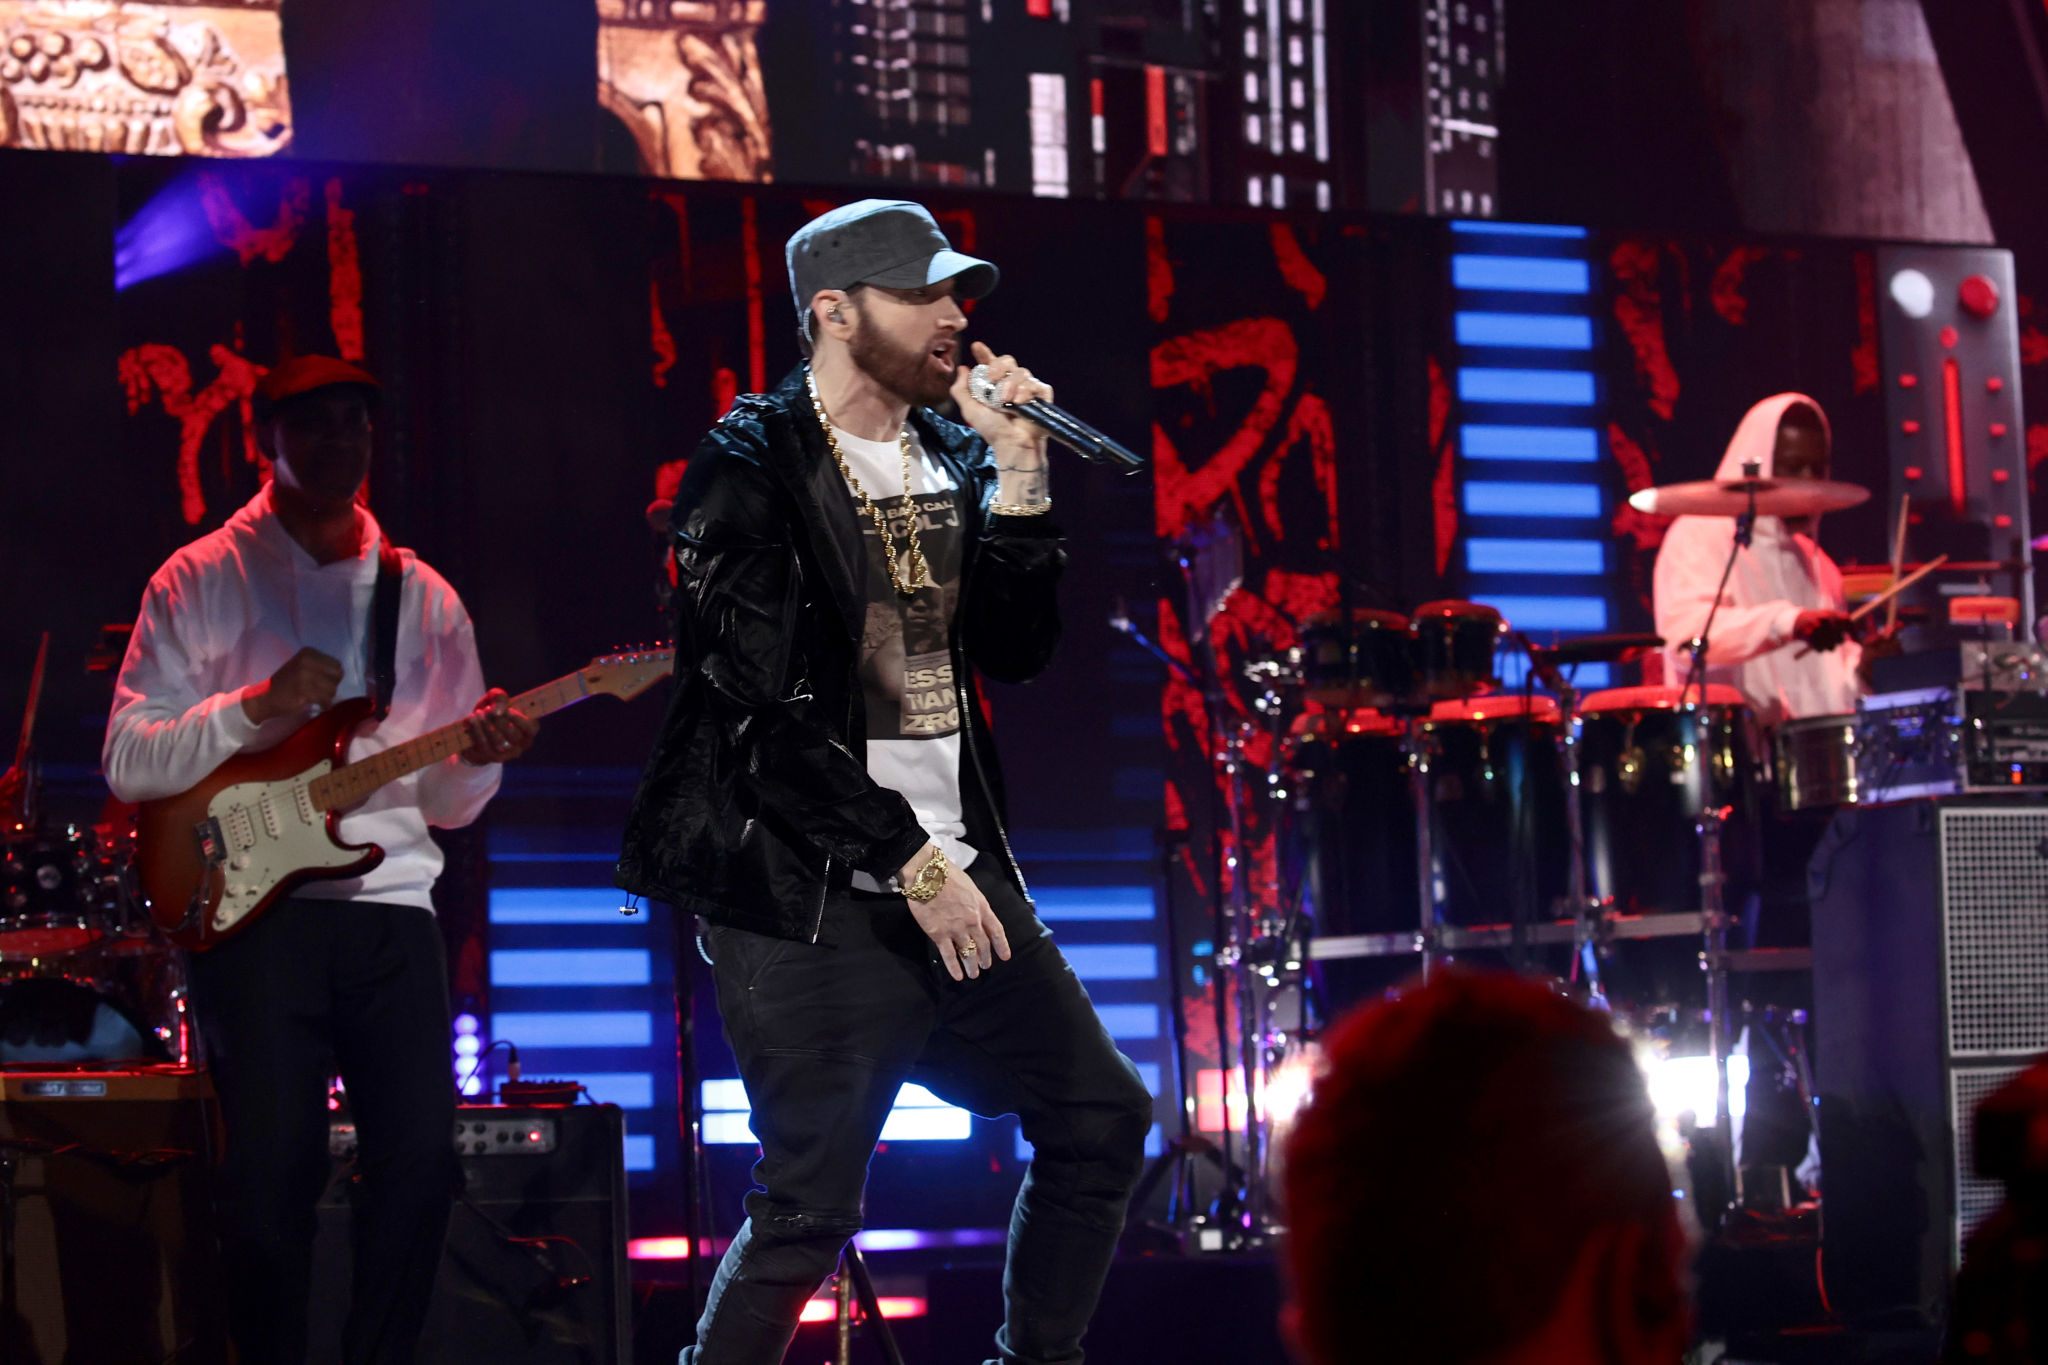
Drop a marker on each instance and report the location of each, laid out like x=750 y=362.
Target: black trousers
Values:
x=825 y=1035
x=311 y=986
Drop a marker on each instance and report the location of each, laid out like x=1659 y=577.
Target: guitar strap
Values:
x=384 y=627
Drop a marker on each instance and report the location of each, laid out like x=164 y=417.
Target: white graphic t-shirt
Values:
x=906 y=668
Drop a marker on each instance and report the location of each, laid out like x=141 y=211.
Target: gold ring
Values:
x=971 y=949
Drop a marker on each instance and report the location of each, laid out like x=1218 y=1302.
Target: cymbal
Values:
x=1731 y=497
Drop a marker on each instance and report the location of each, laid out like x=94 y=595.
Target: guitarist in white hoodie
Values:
x=243 y=636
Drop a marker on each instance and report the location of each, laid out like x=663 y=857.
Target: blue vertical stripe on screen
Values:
x=1537 y=331
x=1548 y=613
x=578 y=1028
x=1488 y=554
x=1566 y=445
x=1521 y=274
x=1490 y=498
x=1487 y=226
x=1572 y=388
x=571 y=967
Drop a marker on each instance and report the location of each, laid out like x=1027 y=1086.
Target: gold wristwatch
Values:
x=929 y=878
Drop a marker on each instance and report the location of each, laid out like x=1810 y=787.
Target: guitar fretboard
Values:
x=347 y=785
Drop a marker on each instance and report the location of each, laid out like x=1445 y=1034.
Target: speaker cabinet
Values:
x=113 y=1247
x=534 y=1272
x=1930 y=954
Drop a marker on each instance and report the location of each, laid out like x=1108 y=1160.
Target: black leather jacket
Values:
x=756 y=805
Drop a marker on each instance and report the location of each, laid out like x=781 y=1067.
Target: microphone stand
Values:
x=1713 y=911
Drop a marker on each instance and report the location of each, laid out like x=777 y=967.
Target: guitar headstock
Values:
x=630 y=672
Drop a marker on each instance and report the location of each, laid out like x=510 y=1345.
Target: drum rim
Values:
x=1657 y=697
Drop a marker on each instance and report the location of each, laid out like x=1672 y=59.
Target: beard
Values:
x=907 y=374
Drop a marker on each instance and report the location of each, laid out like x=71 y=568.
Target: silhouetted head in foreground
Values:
x=1477 y=1179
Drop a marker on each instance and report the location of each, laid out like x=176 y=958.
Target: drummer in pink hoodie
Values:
x=1782 y=635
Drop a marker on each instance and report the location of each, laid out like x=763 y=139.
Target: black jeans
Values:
x=826 y=1035
x=311 y=985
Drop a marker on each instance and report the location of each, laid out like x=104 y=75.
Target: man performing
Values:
x=243 y=635
x=825 y=789
x=1781 y=635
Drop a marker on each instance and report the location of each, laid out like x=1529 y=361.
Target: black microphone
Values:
x=1069 y=430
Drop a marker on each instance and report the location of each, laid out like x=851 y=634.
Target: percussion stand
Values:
x=1713 y=911
x=1425 y=854
x=1584 y=955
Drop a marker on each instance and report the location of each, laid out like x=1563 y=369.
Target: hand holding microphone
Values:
x=996 y=383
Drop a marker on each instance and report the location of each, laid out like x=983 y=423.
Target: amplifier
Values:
x=1930 y=966
x=113 y=1224
x=534 y=1272
x=1983 y=728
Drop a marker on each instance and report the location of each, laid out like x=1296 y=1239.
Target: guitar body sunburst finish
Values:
x=214 y=858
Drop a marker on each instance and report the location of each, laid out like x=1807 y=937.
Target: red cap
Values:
x=305 y=373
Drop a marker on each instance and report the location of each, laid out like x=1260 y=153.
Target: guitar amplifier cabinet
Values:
x=113 y=1225
x=534 y=1272
x=1930 y=949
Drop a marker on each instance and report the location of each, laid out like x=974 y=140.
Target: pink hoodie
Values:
x=1777 y=577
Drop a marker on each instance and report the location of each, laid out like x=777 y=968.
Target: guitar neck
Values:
x=349 y=784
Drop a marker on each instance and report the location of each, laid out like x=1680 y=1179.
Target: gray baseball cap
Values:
x=891 y=242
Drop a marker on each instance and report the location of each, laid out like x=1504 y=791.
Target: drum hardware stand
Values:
x=1589 y=921
x=1181 y=1151
x=21 y=785
x=10 y=1167
x=1428 y=933
x=855 y=1282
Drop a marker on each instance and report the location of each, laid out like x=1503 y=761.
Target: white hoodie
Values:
x=225 y=612
x=1777 y=577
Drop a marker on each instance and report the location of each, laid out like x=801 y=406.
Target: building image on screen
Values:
x=143 y=79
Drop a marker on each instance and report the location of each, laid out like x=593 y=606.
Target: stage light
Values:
x=467 y=1045
x=1913 y=292
x=465 y=1023
x=1686 y=1085
x=1288 y=1088
x=825 y=1310
x=166 y=235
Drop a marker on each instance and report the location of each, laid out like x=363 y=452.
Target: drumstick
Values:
x=1891 y=594
x=1891 y=610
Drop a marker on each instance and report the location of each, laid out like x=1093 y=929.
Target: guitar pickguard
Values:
x=267 y=832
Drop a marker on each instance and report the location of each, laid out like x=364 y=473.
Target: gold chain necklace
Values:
x=920 y=576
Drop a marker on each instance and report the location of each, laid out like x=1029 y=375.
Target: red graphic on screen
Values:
x=1726 y=291
x=1863 y=356
x=1266 y=344
x=1310 y=421
x=249 y=242
x=1158 y=270
x=1443 y=488
x=750 y=256
x=344 y=277
x=1644 y=528
x=659 y=339
x=1296 y=268
x=1639 y=311
x=156 y=373
x=1300 y=596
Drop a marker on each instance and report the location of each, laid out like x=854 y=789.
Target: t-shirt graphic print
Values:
x=906 y=667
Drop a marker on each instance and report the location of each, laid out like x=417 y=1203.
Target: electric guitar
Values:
x=213 y=859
